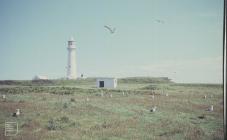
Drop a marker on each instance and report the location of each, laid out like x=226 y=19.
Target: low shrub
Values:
x=64 y=119
x=60 y=123
x=65 y=105
x=53 y=125
x=72 y=100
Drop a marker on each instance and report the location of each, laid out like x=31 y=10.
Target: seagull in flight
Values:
x=160 y=21
x=110 y=29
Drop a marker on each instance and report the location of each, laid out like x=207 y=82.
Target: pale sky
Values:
x=186 y=46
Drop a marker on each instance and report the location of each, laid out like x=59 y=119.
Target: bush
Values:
x=64 y=119
x=72 y=100
x=60 y=123
x=53 y=125
x=65 y=105
x=75 y=124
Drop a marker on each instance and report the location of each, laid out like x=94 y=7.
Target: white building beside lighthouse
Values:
x=106 y=82
x=71 y=67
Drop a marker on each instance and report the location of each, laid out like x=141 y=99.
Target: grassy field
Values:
x=76 y=110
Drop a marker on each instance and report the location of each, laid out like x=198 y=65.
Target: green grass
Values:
x=58 y=110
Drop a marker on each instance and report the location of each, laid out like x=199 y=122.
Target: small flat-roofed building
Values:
x=40 y=77
x=106 y=82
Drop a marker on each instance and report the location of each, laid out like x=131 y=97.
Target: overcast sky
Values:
x=180 y=39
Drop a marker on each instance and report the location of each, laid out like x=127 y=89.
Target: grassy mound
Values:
x=146 y=80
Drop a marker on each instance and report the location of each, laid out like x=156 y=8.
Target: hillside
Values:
x=76 y=109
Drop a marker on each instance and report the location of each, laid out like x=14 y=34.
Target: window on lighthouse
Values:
x=70 y=42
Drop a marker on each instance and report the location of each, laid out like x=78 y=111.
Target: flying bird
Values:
x=160 y=21
x=110 y=29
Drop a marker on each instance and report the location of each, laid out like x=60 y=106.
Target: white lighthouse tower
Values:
x=71 y=67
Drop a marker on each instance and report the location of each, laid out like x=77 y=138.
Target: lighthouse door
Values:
x=101 y=83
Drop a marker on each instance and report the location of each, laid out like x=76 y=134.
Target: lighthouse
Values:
x=71 y=67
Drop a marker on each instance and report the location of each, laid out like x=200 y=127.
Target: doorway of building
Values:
x=101 y=83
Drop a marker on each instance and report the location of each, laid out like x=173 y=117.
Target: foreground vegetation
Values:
x=61 y=109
